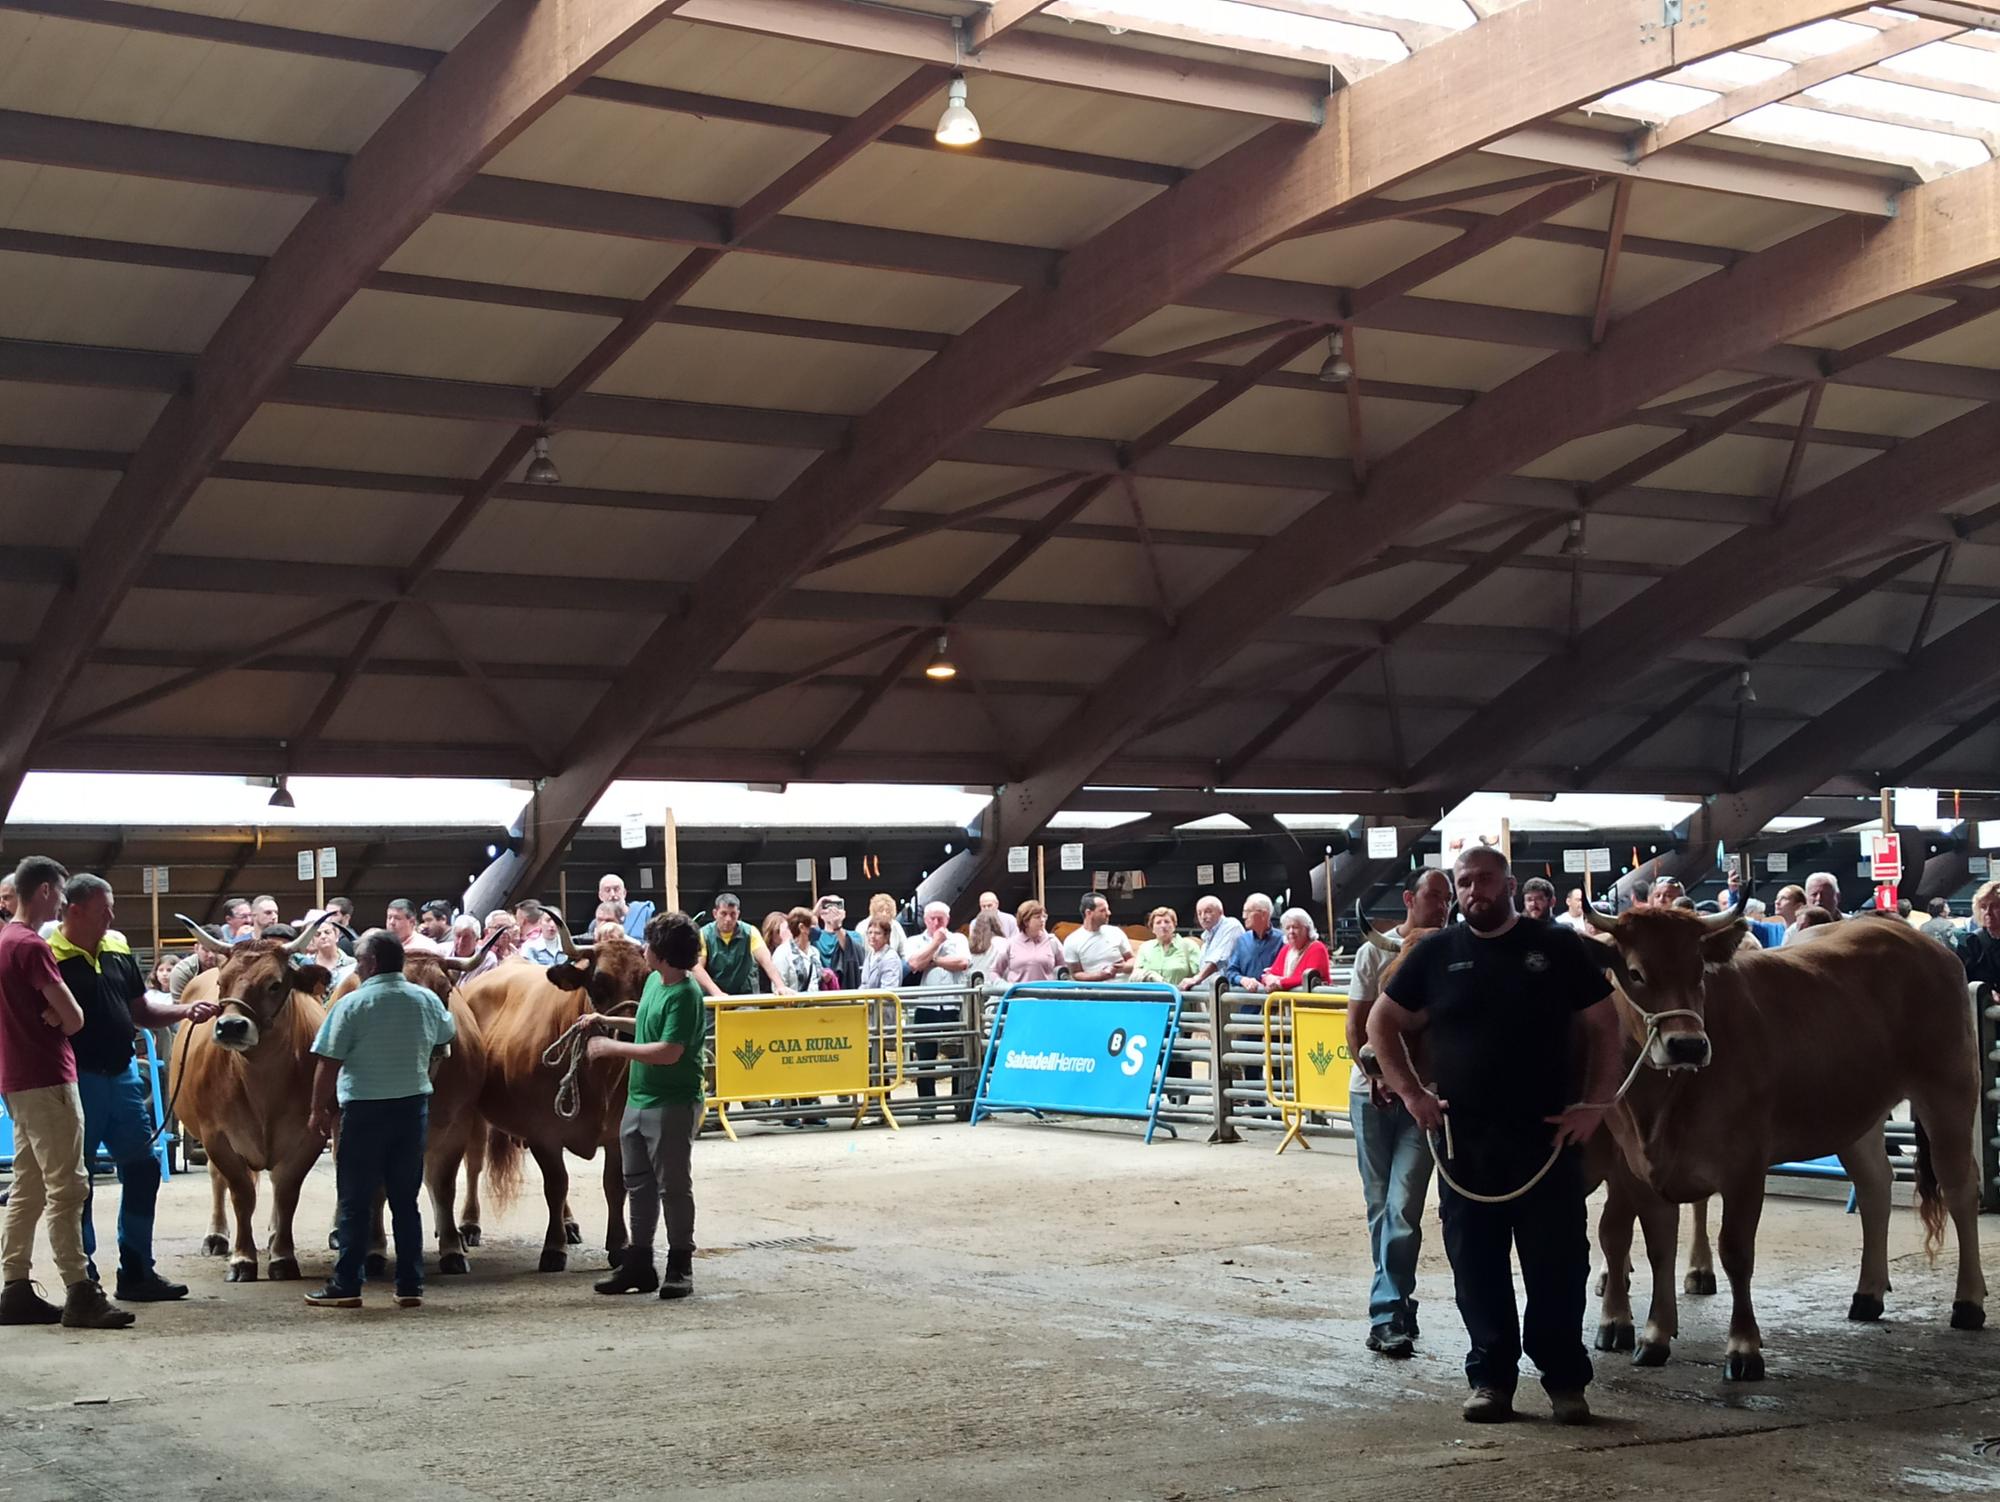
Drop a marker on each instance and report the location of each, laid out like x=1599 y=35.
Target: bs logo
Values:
x=1132 y=1050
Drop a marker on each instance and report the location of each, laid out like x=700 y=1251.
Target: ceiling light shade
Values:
x=1572 y=543
x=1744 y=693
x=957 y=126
x=1337 y=367
x=281 y=796
x=542 y=469
x=940 y=668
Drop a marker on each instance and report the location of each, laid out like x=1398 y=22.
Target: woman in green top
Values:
x=1167 y=956
x=663 y=1108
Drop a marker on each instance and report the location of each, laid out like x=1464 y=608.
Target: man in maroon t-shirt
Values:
x=38 y=1085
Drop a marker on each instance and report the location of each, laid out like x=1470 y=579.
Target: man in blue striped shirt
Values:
x=375 y=1051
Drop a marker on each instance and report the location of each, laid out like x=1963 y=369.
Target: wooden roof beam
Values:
x=1946 y=231
x=1817 y=532
x=509 y=70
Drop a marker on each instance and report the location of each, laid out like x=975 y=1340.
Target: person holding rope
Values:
x=98 y=967
x=1498 y=1000
x=663 y=1109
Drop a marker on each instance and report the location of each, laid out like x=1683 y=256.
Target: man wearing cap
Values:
x=839 y=949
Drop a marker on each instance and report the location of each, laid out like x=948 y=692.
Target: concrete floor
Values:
x=1000 y=1312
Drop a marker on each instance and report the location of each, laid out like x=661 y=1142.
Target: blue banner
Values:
x=1085 y=1050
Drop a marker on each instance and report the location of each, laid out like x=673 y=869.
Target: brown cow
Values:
x=454 y=1106
x=522 y=1010
x=243 y=1085
x=1795 y=1053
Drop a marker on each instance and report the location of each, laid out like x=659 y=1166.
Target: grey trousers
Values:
x=656 y=1145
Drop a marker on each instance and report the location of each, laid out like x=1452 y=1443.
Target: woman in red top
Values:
x=1302 y=953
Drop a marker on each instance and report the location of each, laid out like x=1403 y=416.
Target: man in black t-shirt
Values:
x=1498 y=999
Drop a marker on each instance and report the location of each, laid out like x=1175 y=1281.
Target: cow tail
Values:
x=502 y=1181
x=1930 y=1204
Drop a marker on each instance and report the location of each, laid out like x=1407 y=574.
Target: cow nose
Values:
x=1687 y=1048
x=231 y=1029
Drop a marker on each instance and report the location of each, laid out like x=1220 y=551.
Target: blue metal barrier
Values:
x=1080 y=1049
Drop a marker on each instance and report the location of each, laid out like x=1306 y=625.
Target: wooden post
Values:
x=562 y=893
x=1507 y=839
x=1588 y=896
x=670 y=862
x=1329 y=902
x=155 y=885
x=1041 y=875
x=815 y=883
x=319 y=884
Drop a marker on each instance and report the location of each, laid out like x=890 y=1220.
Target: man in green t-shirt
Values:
x=663 y=1107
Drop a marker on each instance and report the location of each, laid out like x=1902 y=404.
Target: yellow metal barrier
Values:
x=1306 y=1059
x=803 y=1047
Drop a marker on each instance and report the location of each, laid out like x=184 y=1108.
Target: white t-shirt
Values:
x=1570 y=920
x=1366 y=985
x=1084 y=950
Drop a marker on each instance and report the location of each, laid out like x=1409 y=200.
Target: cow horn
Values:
x=204 y=938
x=1715 y=923
x=453 y=962
x=1375 y=940
x=1604 y=923
x=571 y=948
x=302 y=941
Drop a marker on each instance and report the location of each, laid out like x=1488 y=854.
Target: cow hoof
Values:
x=242 y=1272
x=1966 y=1316
x=215 y=1246
x=554 y=1260
x=454 y=1262
x=1698 y=1282
x=1866 y=1308
x=572 y=1233
x=283 y=1270
x=333 y=1241
x=469 y=1234
x=376 y=1265
x=1615 y=1337
x=1603 y=1285
x=1652 y=1355
x=1743 y=1366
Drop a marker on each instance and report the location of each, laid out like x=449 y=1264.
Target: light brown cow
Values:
x=1796 y=1053
x=455 y=1122
x=243 y=1086
x=522 y=1010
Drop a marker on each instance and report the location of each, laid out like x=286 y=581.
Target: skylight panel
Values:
x=1730 y=70
x=1225 y=23
x=1931 y=153
x=1953 y=64
x=1905 y=99
x=1653 y=100
x=1454 y=14
x=1820 y=38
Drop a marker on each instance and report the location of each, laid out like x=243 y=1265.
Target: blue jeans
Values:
x=1395 y=1172
x=115 y=1117
x=381 y=1148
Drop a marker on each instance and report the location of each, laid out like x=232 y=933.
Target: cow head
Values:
x=612 y=970
x=256 y=983
x=1662 y=957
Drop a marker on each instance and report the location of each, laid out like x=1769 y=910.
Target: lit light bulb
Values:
x=957 y=126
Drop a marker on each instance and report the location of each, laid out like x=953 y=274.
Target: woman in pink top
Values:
x=1031 y=953
x=1302 y=953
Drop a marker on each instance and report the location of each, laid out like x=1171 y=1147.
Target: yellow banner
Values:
x=1320 y=1057
x=775 y=1052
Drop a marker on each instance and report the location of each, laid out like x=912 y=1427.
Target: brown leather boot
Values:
x=21 y=1303
x=87 y=1308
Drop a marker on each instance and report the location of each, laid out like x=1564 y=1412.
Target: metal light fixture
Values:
x=1573 y=543
x=1337 y=367
x=542 y=469
x=1743 y=693
x=281 y=796
x=957 y=126
x=940 y=668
